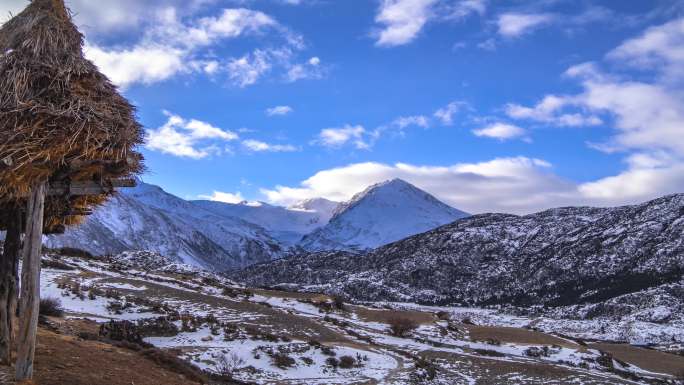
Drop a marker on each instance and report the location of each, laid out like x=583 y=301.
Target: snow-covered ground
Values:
x=269 y=337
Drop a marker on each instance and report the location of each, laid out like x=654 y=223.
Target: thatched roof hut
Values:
x=61 y=120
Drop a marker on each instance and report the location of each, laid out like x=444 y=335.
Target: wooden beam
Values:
x=88 y=187
x=78 y=212
x=30 y=283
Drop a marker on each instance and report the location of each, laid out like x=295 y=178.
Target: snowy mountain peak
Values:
x=324 y=207
x=381 y=214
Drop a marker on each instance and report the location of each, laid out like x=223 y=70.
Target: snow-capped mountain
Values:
x=383 y=213
x=148 y=218
x=558 y=258
x=287 y=225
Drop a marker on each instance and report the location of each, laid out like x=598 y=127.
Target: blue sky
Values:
x=511 y=106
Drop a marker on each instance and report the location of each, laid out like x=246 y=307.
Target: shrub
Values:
x=328 y=351
x=117 y=307
x=228 y=364
x=57 y=265
x=443 y=315
x=423 y=371
x=51 y=307
x=338 y=302
x=605 y=360
x=157 y=327
x=73 y=252
x=121 y=331
x=347 y=362
x=490 y=353
x=282 y=360
x=307 y=361
x=333 y=362
x=401 y=327
x=536 y=352
x=495 y=342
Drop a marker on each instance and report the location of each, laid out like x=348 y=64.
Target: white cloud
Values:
x=462 y=9
x=548 y=110
x=637 y=183
x=402 y=20
x=144 y=64
x=518 y=185
x=187 y=138
x=446 y=114
x=517 y=24
x=337 y=137
x=225 y=197
x=407 y=121
x=648 y=116
x=173 y=44
x=279 y=110
x=248 y=69
x=312 y=69
x=660 y=46
x=501 y=131
x=259 y=146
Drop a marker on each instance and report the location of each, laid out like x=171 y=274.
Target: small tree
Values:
x=401 y=326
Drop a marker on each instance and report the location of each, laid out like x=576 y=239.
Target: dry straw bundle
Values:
x=61 y=120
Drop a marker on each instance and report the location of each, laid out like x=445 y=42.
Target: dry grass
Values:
x=651 y=360
x=384 y=316
x=516 y=335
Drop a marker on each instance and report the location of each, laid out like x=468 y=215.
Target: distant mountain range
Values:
x=219 y=236
x=287 y=225
x=560 y=257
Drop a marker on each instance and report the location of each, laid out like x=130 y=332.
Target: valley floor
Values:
x=272 y=337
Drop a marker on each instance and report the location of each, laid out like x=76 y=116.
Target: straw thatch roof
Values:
x=61 y=120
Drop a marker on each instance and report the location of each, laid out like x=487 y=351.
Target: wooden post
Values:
x=9 y=283
x=30 y=283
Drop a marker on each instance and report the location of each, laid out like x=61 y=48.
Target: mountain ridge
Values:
x=382 y=213
x=557 y=257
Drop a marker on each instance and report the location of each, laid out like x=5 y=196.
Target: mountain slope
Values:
x=287 y=225
x=558 y=257
x=147 y=218
x=381 y=214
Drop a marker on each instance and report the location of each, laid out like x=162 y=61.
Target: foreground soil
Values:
x=67 y=360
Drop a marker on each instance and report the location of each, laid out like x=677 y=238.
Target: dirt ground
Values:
x=384 y=316
x=499 y=372
x=62 y=360
x=516 y=335
x=67 y=360
x=651 y=360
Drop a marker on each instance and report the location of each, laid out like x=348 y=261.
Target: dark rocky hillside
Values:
x=558 y=257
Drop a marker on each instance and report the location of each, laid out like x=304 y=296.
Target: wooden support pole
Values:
x=88 y=188
x=9 y=283
x=30 y=283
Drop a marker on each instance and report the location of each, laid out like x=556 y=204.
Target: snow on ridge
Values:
x=381 y=214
